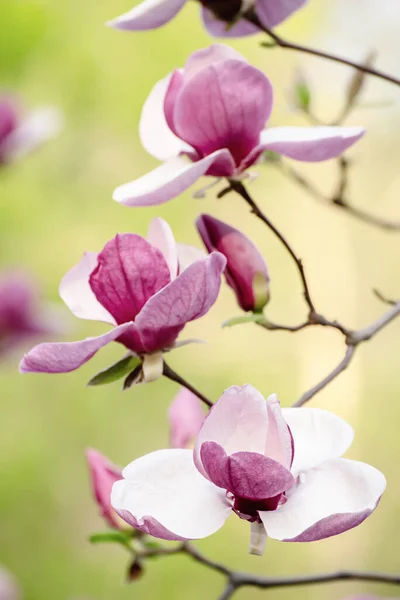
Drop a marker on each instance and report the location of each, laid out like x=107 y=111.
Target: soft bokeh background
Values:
x=57 y=203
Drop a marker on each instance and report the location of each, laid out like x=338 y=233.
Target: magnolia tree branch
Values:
x=281 y=42
x=237 y=579
x=170 y=374
x=337 y=199
x=353 y=338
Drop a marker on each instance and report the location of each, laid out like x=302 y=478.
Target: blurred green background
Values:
x=57 y=203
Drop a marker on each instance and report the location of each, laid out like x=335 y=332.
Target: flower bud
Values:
x=185 y=418
x=246 y=272
x=103 y=475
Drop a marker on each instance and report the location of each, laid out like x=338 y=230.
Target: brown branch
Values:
x=353 y=340
x=237 y=579
x=239 y=188
x=172 y=376
x=337 y=200
x=286 y=44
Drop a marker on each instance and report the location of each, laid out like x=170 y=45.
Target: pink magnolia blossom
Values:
x=185 y=418
x=22 y=316
x=152 y=14
x=9 y=589
x=209 y=119
x=141 y=288
x=19 y=134
x=278 y=469
x=103 y=475
x=246 y=272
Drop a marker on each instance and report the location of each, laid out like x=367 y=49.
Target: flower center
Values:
x=247 y=509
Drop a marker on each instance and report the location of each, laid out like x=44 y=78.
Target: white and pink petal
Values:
x=164 y=495
x=327 y=500
x=77 y=294
x=238 y=422
x=166 y=181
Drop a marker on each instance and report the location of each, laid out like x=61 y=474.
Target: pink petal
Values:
x=238 y=422
x=77 y=294
x=219 y=28
x=310 y=144
x=185 y=418
x=129 y=272
x=245 y=474
x=150 y=14
x=318 y=435
x=329 y=499
x=273 y=12
x=224 y=105
x=279 y=444
x=188 y=297
x=155 y=134
x=8 y=117
x=103 y=475
x=164 y=495
x=166 y=182
x=63 y=357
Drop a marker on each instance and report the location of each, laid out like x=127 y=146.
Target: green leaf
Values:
x=106 y=537
x=251 y=318
x=116 y=371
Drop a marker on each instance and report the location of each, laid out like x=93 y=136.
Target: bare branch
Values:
x=170 y=374
x=328 y=379
x=229 y=590
x=286 y=44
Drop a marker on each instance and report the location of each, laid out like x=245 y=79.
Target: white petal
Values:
x=160 y=236
x=187 y=255
x=150 y=14
x=77 y=294
x=238 y=422
x=166 y=486
x=166 y=182
x=331 y=498
x=155 y=135
x=310 y=144
x=318 y=435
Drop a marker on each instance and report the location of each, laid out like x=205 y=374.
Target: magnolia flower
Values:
x=221 y=18
x=141 y=288
x=209 y=118
x=103 y=474
x=9 y=589
x=278 y=469
x=246 y=272
x=22 y=317
x=185 y=418
x=20 y=135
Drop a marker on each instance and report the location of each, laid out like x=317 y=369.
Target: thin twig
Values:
x=240 y=189
x=286 y=44
x=192 y=551
x=266 y=582
x=353 y=340
x=170 y=374
x=229 y=590
x=320 y=386
x=336 y=200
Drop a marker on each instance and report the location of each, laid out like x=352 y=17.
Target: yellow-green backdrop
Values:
x=57 y=203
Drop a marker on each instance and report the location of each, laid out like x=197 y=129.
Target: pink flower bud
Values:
x=103 y=475
x=246 y=272
x=185 y=418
